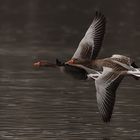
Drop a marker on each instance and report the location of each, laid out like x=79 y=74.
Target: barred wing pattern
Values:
x=90 y=45
x=106 y=86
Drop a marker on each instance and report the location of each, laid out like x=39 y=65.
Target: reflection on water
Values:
x=46 y=104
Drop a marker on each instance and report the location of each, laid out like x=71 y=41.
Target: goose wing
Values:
x=90 y=45
x=106 y=86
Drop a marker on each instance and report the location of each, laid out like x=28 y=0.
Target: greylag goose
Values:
x=113 y=69
x=80 y=70
x=77 y=71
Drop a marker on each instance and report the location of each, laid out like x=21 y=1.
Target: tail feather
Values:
x=135 y=73
x=134 y=65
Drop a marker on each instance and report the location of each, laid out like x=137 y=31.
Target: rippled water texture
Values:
x=46 y=104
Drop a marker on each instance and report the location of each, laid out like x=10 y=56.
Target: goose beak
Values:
x=70 y=61
x=37 y=64
x=43 y=63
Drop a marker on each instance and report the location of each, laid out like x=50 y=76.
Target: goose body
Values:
x=112 y=69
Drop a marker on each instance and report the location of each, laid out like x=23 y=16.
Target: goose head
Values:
x=43 y=63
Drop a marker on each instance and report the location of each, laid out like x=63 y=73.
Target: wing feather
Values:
x=92 y=40
x=106 y=86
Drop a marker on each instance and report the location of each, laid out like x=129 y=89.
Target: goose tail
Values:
x=135 y=73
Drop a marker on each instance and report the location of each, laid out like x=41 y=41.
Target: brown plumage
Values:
x=111 y=70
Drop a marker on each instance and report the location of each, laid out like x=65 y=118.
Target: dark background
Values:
x=45 y=104
x=31 y=24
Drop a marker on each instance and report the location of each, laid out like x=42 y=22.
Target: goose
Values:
x=111 y=70
x=77 y=71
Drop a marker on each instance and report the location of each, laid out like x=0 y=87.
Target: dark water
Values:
x=46 y=104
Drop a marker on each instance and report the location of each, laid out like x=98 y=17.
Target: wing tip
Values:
x=106 y=120
x=107 y=116
x=99 y=15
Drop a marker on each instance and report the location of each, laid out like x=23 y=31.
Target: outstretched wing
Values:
x=90 y=45
x=106 y=86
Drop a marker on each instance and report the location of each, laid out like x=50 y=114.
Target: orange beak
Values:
x=70 y=61
x=37 y=64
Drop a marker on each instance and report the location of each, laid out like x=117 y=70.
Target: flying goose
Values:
x=111 y=70
x=80 y=70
